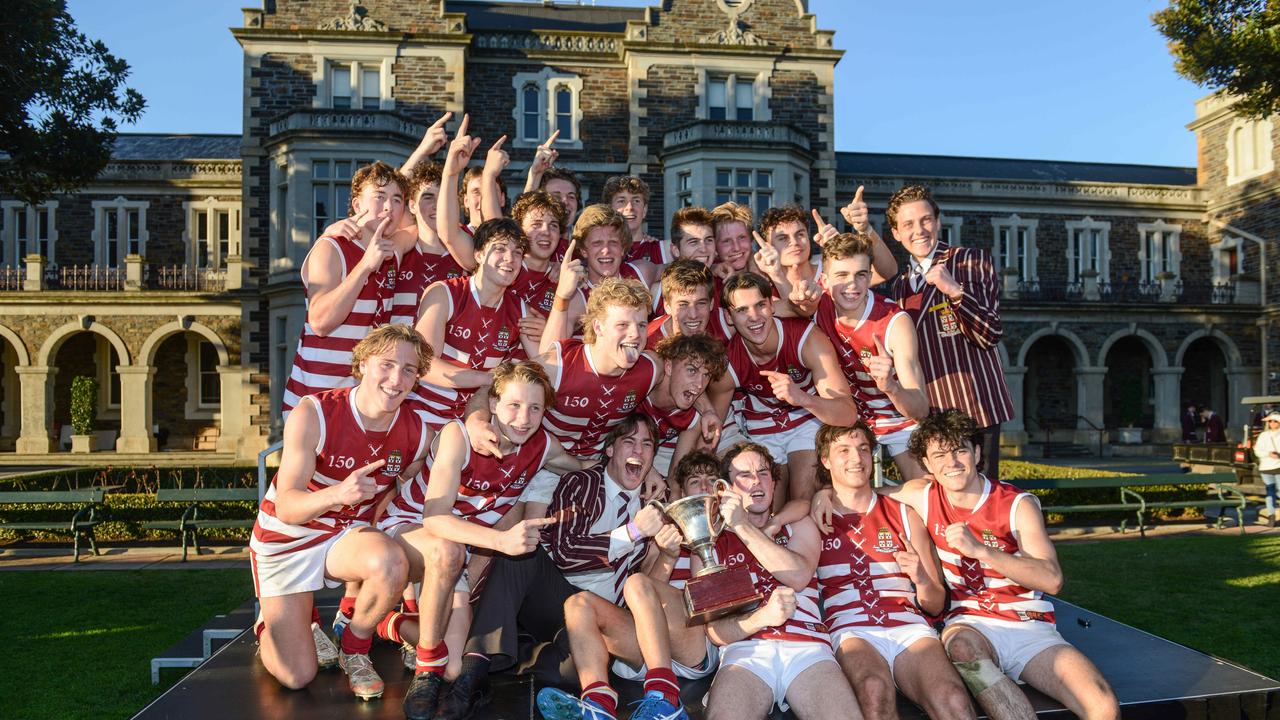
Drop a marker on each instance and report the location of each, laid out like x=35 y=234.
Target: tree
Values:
x=62 y=96
x=1228 y=45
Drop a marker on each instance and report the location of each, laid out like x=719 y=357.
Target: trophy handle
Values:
x=717 y=522
x=658 y=504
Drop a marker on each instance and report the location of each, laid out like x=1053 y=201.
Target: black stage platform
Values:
x=1154 y=678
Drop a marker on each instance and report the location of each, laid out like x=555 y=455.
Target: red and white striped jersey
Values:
x=762 y=413
x=862 y=584
x=806 y=623
x=648 y=247
x=475 y=337
x=588 y=404
x=975 y=588
x=536 y=289
x=487 y=487
x=411 y=280
x=854 y=344
x=437 y=267
x=344 y=446
x=671 y=422
x=717 y=327
x=324 y=363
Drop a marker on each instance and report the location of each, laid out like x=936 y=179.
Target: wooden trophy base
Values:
x=720 y=593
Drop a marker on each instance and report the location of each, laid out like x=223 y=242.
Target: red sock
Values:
x=258 y=628
x=347 y=606
x=353 y=644
x=432 y=660
x=664 y=681
x=410 y=606
x=315 y=614
x=389 y=628
x=602 y=695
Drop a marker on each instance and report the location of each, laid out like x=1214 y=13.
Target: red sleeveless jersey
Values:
x=344 y=446
x=324 y=363
x=862 y=584
x=536 y=289
x=806 y=623
x=475 y=337
x=487 y=488
x=976 y=589
x=442 y=266
x=588 y=404
x=856 y=343
x=762 y=413
x=670 y=422
x=648 y=247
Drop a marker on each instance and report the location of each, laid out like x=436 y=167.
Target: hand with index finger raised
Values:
x=856 y=212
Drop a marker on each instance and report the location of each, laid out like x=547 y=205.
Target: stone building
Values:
x=174 y=278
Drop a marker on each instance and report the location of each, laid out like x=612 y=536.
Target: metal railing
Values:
x=187 y=278
x=88 y=277
x=11 y=278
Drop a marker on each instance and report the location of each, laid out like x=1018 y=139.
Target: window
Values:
x=747 y=186
x=28 y=230
x=1249 y=150
x=1015 y=246
x=331 y=190
x=949 y=230
x=213 y=232
x=684 y=188
x=355 y=85
x=547 y=101
x=1228 y=259
x=108 y=377
x=1158 y=249
x=730 y=97
x=210 y=386
x=119 y=230
x=1088 y=248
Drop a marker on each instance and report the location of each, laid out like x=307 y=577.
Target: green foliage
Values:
x=1023 y=470
x=1228 y=45
x=124 y=514
x=134 y=479
x=113 y=621
x=84 y=404
x=62 y=97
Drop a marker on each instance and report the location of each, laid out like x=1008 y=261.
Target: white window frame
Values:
x=106 y=370
x=951 y=225
x=18 y=213
x=1012 y=224
x=752 y=188
x=121 y=208
x=1221 y=272
x=196 y=408
x=548 y=82
x=734 y=75
x=209 y=208
x=334 y=184
x=323 y=78
x=1250 y=152
x=1086 y=227
x=732 y=83
x=1167 y=239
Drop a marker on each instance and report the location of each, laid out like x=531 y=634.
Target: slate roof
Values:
x=164 y=146
x=900 y=165
x=538 y=16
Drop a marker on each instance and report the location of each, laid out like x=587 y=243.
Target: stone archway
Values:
x=13 y=356
x=192 y=394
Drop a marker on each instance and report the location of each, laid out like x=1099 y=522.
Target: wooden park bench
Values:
x=1132 y=499
x=190 y=525
x=82 y=522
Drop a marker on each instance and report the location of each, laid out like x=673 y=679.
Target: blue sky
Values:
x=1088 y=80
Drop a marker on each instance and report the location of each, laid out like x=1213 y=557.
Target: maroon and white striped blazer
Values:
x=958 y=339
x=572 y=546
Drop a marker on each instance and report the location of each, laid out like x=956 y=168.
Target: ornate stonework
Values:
x=357 y=19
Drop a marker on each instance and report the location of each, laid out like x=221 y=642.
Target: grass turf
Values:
x=79 y=644
x=1214 y=593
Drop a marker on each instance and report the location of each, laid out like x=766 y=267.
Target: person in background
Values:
x=1267 y=449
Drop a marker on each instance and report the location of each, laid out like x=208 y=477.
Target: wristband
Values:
x=561 y=304
x=633 y=531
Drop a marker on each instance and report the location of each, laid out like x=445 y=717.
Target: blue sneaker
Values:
x=556 y=704
x=653 y=706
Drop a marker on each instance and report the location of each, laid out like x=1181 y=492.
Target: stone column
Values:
x=1168 y=286
x=135 y=409
x=235 y=272
x=1090 y=381
x=1010 y=283
x=34 y=281
x=231 y=409
x=133 y=272
x=1014 y=430
x=1241 y=383
x=1089 y=279
x=1168 y=383
x=37 y=408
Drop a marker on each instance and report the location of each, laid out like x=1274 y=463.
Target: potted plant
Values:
x=84 y=413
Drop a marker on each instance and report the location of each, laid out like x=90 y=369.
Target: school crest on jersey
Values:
x=395 y=463
x=453 y=274
x=795 y=373
x=504 y=340
x=990 y=540
x=1033 y=615
x=884 y=541
x=865 y=354
x=629 y=402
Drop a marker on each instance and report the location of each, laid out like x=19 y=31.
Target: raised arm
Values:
x=495 y=161
x=455 y=240
x=883 y=265
x=568 y=306
x=792 y=565
x=543 y=160
x=434 y=139
x=896 y=369
x=332 y=293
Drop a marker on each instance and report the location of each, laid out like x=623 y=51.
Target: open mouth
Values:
x=689 y=397
x=756 y=329
x=692 y=327
x=630 y=351
x=634 y=468
x=757 y=497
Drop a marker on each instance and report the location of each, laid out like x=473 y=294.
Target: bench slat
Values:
x=205 y=494
x=36 y=497
x=1115 y=482
x=64 y=526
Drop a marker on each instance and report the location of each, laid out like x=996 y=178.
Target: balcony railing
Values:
x=87 y=277
x=11 y=278
x=188 y=279
x=1129 y=292
x=1050 y=291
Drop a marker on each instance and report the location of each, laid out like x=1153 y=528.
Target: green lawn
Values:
x=1216 y=593
x=79 y=644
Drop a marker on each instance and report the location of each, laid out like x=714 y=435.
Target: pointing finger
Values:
x=371 y=467
x=759 y=240
x=542 y=522
x=462 y=126
x=498 y=145
x=857 y=195
x=551 y=140
x=443 y=119
x=880 y=349
x=818 y=219
x=568 y=251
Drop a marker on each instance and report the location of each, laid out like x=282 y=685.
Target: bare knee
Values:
x=965 y=646
x=442 y=555
x=295 y=676
x=578 y=607
x=1101 y=704
x=876 y=691
x=638 y=588
x=387 y=569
